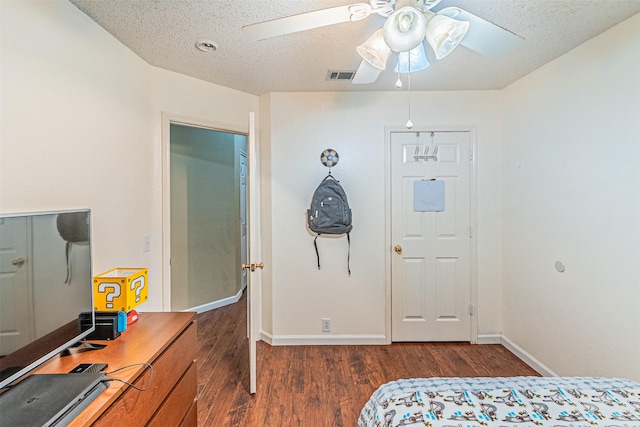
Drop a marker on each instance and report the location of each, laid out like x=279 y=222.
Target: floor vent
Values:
x=340 y=75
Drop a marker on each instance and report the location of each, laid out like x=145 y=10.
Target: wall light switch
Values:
x=146 y=246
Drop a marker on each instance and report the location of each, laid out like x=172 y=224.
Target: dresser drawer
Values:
x=191 y=419
x=135 y=408
x=177 y=404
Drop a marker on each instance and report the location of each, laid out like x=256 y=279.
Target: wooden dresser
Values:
x=167 y=341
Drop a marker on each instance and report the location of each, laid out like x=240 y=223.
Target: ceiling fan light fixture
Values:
x=375 y=51
x=444 y=33
x=412 y=60
x=405 y=29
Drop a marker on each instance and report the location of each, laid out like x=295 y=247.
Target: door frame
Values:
x=167 y=120
x=244 y=211
x=473 y=207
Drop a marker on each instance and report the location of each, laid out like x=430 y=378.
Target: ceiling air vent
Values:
x=340 y=75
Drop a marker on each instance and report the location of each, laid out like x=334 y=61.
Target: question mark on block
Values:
x=115 y=293
x=138 y=284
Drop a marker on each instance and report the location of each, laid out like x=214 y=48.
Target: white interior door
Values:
x=430 y=262
x=16 y=328
x=254 y=264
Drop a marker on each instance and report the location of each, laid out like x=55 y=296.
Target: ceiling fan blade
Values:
x=307 y=21
x=483 y=36
x=366 y=73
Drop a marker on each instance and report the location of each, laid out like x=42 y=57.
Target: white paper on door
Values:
x=428 y=196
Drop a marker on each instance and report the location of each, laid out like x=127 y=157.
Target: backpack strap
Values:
x=348 y=254
x=315 y=244
x=68 y=254
x=329 y=178
x=317 y=253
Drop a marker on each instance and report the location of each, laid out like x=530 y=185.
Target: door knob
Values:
x=398 y=249
x=18 y=262
x=252 y=266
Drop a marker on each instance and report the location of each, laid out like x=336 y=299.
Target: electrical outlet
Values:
x=146 y=246
x=326 y=325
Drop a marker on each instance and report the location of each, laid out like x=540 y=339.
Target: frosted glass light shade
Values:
x=413 y=60
x=405 y=29
x=375 y=51
x=444 y=33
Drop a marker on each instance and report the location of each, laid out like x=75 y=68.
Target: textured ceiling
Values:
x=164 y=33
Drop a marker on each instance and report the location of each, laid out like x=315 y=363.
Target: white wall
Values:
x=81 y=127
x=302 y=125
x=571 y=193
x=266 y=285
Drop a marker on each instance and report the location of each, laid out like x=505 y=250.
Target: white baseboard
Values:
x=268 y=338
x=217 y=304
x=527 y=358
x=323 y=339
x=489 y=339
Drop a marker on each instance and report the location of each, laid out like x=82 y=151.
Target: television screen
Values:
x=45 y=283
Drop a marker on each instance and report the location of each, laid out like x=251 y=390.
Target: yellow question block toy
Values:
x=120 y=289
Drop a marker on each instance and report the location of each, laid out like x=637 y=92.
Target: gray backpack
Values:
x=330 y=213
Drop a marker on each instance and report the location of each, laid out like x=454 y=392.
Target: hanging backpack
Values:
x=330 y=213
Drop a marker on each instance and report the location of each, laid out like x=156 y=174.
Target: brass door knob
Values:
x=398 y=249
x=252 y=266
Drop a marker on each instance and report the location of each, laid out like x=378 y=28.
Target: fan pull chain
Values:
x=409 y=124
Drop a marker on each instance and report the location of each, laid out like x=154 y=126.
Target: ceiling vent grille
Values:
x=340 y=75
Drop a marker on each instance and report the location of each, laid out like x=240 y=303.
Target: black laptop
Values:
x=43 y=400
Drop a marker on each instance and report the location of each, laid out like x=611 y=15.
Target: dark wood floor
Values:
x=317 y=386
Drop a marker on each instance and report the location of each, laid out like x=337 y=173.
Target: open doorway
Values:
x=207 y=173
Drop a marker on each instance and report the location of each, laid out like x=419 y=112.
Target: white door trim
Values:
x=388 y=130
x=167 y=120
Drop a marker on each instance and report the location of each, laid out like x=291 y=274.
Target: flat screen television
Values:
x=45 y=283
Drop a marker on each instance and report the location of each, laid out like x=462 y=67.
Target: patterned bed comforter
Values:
x=509 y=401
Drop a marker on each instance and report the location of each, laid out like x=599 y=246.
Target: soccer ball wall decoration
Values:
x=329 y=158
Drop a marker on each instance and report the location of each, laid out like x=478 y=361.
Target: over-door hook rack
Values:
x=426 y=156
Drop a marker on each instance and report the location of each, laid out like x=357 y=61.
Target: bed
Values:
x=507 y=401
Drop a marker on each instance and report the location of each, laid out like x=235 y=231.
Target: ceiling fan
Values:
x=408 y=24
